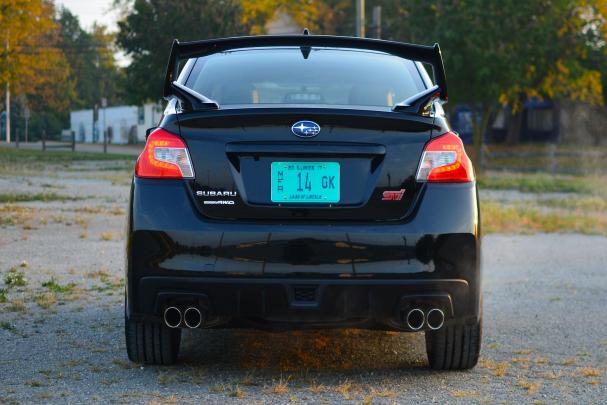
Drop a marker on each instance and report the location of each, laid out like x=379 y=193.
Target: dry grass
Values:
x=17 y=305
x=107 y=236
x=383 y=392
x=217 y=388
x=15 y=215
x=348 y=390
x=248 y=380
x=165 y=378
x=590 y=371
x=531 y=387
x=464 y=394
x=498 y=369
x=46 y=300
x=526 y=218
x=316 y=388
x=237 y=392
x=280 y=387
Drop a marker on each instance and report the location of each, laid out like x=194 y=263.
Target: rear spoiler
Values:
x=181 y=51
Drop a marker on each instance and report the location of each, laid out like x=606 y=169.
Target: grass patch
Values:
x=590 y=371
x=46 y=300
x=55 y=287
x=237 y=392
x=539 y=183
x=44 y=197
x=280 y=387
x=527 y=219
x=107 y=236
x=3 y=295
x=17 y=306
x=531 y=387
x=15 y=278
x=8 y=327
x=11 y=155
x=581 y=204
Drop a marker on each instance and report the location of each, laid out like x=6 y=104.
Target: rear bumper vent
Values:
x=304 y=295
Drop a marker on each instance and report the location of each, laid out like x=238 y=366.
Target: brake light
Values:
x=444 y=160
x=165 y=156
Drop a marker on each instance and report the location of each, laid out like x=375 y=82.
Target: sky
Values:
x=89 y=11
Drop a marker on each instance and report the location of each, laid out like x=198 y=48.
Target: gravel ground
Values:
x=61 y=334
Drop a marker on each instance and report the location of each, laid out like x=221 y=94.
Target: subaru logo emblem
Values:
x=305 y=129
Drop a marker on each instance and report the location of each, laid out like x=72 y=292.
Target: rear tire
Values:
x=454 y=347
x=151 y=343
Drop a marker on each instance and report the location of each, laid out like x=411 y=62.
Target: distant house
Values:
x=124 y=124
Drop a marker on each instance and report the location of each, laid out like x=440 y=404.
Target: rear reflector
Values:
x=445 y=161
x=165 y=156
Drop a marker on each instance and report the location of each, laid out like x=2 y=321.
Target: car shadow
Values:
x=293 y=351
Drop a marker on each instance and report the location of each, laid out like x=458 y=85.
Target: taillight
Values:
x=165 y=156
x=444 y=160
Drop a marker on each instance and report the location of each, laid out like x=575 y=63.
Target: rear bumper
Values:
x=304 y=304
x=246 y=274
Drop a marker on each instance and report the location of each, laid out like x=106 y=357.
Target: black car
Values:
x=300 y=182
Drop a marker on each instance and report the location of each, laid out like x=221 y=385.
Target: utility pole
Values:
x=377 y=21
x=8 y=98
x=104 y=105
x=360 y=18
x=26 y=116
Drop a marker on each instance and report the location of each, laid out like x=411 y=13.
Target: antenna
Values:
x=306 y=31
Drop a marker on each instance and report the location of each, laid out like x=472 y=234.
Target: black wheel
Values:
x=454 y=347
x=151 y=343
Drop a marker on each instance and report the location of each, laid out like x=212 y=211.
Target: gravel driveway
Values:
x=61 y=334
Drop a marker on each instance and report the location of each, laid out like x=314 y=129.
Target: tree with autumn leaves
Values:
x=52 y=64
x=30 y=60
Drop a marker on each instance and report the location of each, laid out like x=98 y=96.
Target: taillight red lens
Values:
x=165 y=156
x=445 y=161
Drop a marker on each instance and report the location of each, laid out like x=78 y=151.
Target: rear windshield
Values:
x=286 y=76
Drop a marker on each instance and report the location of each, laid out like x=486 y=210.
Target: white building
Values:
x=124 y=124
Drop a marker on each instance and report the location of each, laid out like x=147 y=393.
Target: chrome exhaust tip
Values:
x=172 y=317
x=415 y=319
x=192 y=317
x=435 y=318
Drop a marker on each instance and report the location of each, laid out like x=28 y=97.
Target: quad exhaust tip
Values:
x=435 y=318
x=415 y=319
x=172 y=317
x=192 y=317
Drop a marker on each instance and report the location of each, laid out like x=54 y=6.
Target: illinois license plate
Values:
x=305 y=182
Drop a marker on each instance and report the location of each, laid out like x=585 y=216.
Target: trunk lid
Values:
x=365 y=162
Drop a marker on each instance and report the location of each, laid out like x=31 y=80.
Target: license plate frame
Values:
x=305 y=182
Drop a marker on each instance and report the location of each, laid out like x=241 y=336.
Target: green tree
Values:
x=91 y=58
x=503 y=52
x=149 y=27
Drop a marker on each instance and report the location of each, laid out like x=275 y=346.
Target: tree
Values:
x=30 y=59
x=149 y=27
x=503 y=52
x=91 y=58
x=326 y=17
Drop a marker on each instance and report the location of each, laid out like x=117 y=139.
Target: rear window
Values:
x=284 y=76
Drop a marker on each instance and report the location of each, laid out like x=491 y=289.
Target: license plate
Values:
x=305 y=182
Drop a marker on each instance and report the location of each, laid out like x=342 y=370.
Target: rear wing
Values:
x=181 y=51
